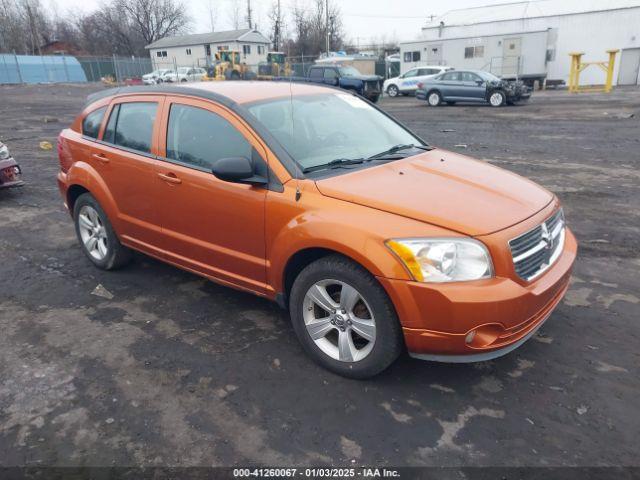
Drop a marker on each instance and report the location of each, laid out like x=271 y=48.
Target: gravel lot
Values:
x=173 y=370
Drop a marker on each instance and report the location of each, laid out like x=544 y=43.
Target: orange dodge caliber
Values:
x=312 y=197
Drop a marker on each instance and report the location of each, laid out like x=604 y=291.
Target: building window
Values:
x=207 y=50
x=246 y=49
x=223 y=48
x=474 y=52
x=161 y=53
x=188 y=51
x=412 y=56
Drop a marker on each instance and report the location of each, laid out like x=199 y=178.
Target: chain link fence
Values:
x=119 y=69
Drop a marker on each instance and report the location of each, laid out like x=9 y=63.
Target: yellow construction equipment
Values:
x=577 y=66
x=228 y=67
x=275 y=66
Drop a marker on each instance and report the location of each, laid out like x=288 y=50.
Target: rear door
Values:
x=331 y=76
x=451 y=86
x=511 y=52
x=209 y=225
x=126 y=162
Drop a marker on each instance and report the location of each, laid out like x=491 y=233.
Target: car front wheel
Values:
x=497 y=99
x=344 y=318
x=392 y=91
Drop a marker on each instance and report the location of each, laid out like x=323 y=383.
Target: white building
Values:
x=197 y=50
x=533 y=39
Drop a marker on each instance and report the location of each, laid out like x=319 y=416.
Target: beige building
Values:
x=198 y=50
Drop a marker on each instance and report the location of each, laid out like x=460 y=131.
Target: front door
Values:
x=209 y=225
x=629 y=67
x=125 y=161
x=511 y=56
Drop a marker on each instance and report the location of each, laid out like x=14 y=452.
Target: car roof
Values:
x=227 y=92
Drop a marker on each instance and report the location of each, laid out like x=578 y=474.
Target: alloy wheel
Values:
x=496 y=99
x=434 y=99
x=339 y=320
x=93 y=232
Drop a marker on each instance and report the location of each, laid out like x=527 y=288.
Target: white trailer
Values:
x=532 y=40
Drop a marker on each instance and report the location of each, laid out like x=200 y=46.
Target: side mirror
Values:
x=237 y=170
x=480 y=82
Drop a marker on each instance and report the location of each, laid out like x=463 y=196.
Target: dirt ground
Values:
x=164 y=368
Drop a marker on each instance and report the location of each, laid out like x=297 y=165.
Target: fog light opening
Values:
x=470 y=336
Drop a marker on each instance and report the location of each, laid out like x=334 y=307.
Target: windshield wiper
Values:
x=337 y=163
x=398 y=148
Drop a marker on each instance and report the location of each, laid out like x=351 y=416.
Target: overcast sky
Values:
x=364 y=20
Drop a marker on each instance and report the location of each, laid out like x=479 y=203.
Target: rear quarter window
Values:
x=91 y=123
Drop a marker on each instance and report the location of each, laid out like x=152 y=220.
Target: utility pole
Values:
x=249 y=14
x=276 y=33
x=327 y=26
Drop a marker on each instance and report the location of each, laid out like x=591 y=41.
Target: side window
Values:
x=330 y=73
x=315 y=73
x=199 y=137
x=91 y=123
x=469 y=77
x=451 y=77
x=411 y=73
x=131 y=125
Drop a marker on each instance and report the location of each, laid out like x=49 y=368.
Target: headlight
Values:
x=443 y=259
x=4 y=152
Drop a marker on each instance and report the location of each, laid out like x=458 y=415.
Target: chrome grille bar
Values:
x=535 y=251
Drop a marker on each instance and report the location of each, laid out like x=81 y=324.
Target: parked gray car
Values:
x=471 y=86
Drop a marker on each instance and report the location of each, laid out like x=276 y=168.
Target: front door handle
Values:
x=100 y=157
x=170 y=178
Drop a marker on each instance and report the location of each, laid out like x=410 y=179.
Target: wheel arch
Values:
x=83 y=178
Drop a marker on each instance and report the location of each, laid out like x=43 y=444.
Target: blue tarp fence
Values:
x=40 y=69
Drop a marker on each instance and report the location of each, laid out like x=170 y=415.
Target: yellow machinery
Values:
x=275 y=66
x=577 y=66
x=227 y=67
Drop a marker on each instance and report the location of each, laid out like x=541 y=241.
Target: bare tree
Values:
x=154 y=19
x=234 y=13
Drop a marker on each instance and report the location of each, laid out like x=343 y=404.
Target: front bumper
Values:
x=438 y=319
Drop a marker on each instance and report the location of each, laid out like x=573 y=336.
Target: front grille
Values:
x=536 y=250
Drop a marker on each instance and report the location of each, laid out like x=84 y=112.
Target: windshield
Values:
x=316 y=129
x=349 y=71
x=488 y=76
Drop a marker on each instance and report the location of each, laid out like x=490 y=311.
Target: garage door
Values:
x=629 y=66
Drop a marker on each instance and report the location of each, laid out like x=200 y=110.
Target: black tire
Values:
x=501 y=102
x=117 y=255
x=434 y=98
x=389 y=341
x=374 y=99
x=184 y=80
x=235 y=75
x=393 y=91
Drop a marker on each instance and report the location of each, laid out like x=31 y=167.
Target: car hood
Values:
x=445 y=189
x=365 y=77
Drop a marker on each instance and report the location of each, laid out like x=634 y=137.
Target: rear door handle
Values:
x=170 y=178
x=100 y=157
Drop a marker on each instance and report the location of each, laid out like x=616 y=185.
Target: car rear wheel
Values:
x=344 y=319
x=497 y=99
x=434 y=99
x=96 y=235
x=392 y=91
